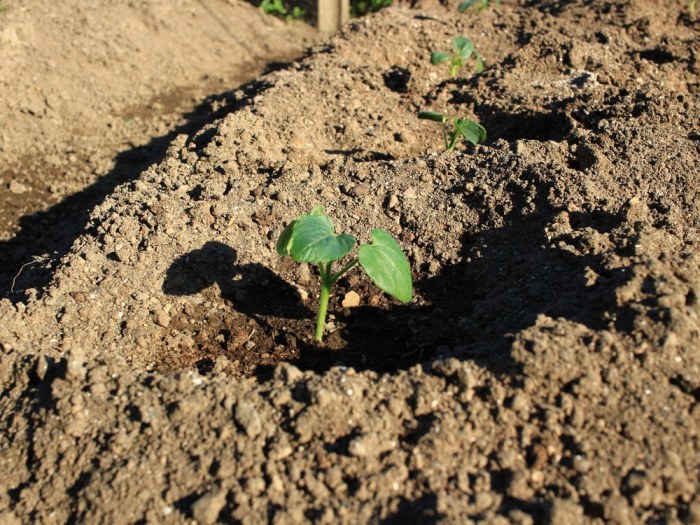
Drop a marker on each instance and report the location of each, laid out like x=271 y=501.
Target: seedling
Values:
x=691 y=8
x=280 y=9
x=468 y=129
x=479 y=5
x=463 y=50
x=364 y=7
x=311 y=238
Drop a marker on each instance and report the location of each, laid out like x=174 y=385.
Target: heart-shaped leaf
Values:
x=463 y=46
x=438 y=57
x=313 y=239
x=387 y=265
x=283 y=243
x=471 y=131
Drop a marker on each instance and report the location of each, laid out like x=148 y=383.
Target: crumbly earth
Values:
x=546 y=371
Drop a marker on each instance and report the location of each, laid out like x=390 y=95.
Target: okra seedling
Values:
x=311 y=238
x=463 y=50
x=468 y=129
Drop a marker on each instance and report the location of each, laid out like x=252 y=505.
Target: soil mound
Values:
x=546 y=370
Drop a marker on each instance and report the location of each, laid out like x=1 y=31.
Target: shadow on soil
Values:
x=507 y=277
x=53 y=231
x=253 y=289
x=422 y=511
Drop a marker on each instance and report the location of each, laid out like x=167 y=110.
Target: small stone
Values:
x=162 y=318
x=368 y=445
x=17 y=187
x=75 y=365
x=207 y=508
x=392 y=202
x=565 y=511
x=247 y=417
x=289 y=374
x=351 y=300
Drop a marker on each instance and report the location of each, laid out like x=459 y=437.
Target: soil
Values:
x=158 y=364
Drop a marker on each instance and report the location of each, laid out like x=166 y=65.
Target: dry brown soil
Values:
x=157 y=366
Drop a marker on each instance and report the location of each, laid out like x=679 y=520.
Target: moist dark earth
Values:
x=158 y=363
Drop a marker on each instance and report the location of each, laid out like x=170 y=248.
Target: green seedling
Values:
x=365 y=7
x=463 y=128
x=691 y=8
x=479 y=5
x=282 y=10
x=463 y=50
x=311 y=238
x=3 y=8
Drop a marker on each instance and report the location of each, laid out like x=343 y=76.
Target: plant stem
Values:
x=343 y=270
x=444 y=136
x=326 y=283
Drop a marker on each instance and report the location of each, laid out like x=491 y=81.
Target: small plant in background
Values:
x=463 y=50
x=311 y=238
x=4 y=7
x=364 y=7
x=462 y=128
x=283 y=10
x=691 y=8
x=479 y=5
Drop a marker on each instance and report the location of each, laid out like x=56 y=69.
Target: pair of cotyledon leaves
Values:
x=312 y=238
x=470 y=130
x=463 y=49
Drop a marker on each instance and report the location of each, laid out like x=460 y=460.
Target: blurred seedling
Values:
x=280 y=9
x=4 y=7
x=461 y=128
x=462 y=51
x=479 y=5
x=691 y=8
x=365 y=7
x=311 y=238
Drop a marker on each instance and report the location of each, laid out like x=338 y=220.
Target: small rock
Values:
x=392 y=202
x=75 y=365
x=565 y=511
x=287 y=373
x=368 y=445
x=247 y=417
x=162 y=318
x=207 y=508
x=17 y=187
x=361 y=190
x=351 y=300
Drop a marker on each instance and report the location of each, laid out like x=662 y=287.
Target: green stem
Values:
x=444 y=136
x=344 y=270
x=326 y=283
x=454 y=137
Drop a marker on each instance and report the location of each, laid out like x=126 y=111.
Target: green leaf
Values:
x=466 y=5
x=432 y=115
x=283 y=242
x=438 y=57
x=387 y=265
x=479 y=63
x=463 y=46
x=470 y=130
x=313 y=239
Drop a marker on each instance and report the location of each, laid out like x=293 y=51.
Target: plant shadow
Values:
x=251 y=289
